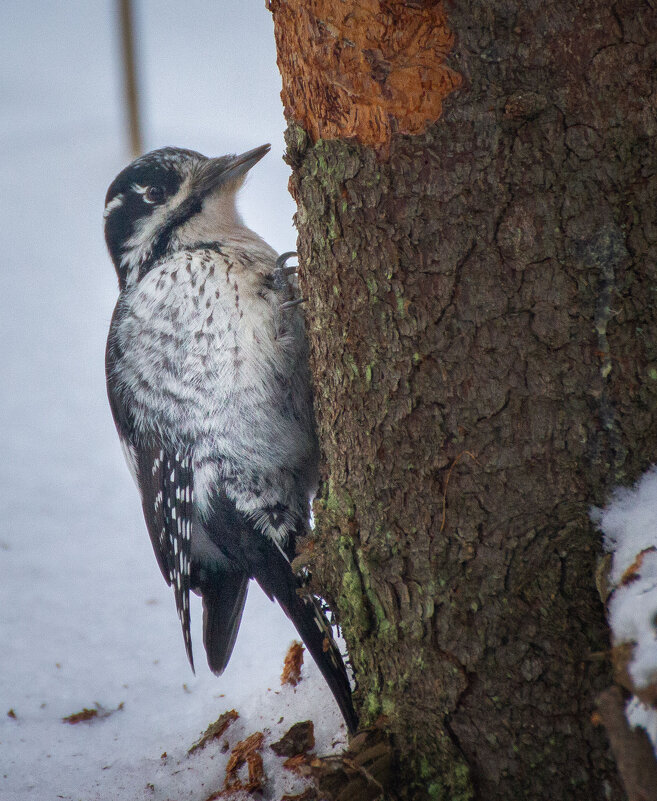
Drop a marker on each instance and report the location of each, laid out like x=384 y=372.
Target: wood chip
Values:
x=246 y=751
x=632 y=572
x=86 y=715
x=80 y=717
x=215 y=730
x=299 y=764
x=296 y=740
x=361 y=773
x=309 y=794
x=292 y=667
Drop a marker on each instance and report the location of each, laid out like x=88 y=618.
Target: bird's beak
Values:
x=227 y=169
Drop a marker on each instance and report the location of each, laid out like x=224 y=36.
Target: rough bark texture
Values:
x=481 y=312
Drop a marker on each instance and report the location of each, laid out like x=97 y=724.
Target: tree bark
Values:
x=480 y=284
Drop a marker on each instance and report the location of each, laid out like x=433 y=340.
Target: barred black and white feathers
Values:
x=209 y=388
x=167 y=490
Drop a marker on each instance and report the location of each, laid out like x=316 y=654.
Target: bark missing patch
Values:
x=364 y=70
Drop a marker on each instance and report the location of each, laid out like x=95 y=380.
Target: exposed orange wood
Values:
x=363 y=69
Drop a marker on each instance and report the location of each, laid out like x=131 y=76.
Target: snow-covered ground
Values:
x=85 y=616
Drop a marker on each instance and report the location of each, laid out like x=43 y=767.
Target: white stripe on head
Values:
x=141 y=190
x=114 y=203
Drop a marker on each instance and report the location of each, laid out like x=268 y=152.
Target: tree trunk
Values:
x=480 y=288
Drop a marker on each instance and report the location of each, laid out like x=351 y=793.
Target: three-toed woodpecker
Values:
x=208 y=382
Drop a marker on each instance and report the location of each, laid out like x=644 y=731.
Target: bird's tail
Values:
x=223 y=604
x=316 y=633
x=308 y=618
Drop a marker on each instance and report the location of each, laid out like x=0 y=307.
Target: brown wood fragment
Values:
x=309 y=794
x=632 y=572
x=367 y=69
x=602 y=578
x=300 y=764
x=11 y=714
x=245 y=752
x=292 y=666
x=91 y=714
x=632 y=749
x=361 y=773
x=79 y=717
x=296 y=740
x=621 y=657
x=215 y=730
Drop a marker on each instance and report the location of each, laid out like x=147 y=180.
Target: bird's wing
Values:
x=165 y=481
x=166 y=485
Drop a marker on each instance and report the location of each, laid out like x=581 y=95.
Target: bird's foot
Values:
x=290 y=304
x=281 y=275
x=281 y=272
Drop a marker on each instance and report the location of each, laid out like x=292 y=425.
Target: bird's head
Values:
x=169 y=199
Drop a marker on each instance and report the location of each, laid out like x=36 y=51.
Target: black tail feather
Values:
x=305 y=612
x=223 y=604
x=260 y=557
x=315 y=631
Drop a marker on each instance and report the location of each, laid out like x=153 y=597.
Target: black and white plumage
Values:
x=208 y=383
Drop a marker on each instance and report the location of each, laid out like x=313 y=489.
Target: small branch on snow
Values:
x=632 y=748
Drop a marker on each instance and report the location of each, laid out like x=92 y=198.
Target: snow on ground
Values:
x=629 y=525
x=85 y=616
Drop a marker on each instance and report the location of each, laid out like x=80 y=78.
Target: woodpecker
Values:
x=208 y=383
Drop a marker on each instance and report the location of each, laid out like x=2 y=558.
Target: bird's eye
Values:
x=154 y=194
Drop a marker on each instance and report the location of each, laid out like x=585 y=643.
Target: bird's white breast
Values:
x=208 y=358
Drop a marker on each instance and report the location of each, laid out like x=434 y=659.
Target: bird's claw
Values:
x=281 y=274
x=280 y=261
x=290 y=304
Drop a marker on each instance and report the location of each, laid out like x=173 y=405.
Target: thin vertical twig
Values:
x=130 y=75
x=631 y=747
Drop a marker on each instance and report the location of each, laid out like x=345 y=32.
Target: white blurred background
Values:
x=85 y=616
